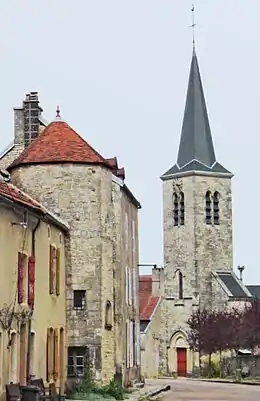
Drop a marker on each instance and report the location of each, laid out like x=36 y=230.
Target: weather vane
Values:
x=193 y=25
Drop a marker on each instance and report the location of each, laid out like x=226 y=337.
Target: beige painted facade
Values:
x=49 y=310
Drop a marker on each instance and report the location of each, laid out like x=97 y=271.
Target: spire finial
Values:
x=58 y=113
x=193 y=25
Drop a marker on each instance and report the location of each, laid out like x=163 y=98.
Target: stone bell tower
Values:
x=197 y=212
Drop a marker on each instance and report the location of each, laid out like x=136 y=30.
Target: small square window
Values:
x=79 y=299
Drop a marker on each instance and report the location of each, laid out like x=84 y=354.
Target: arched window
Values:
x=175 y=209
x=182 y=209
x=216 y=208
x=108 y=316
x=208 y=206
x=180 y=285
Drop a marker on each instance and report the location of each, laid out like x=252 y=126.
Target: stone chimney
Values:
x=26 y=120
x=158 y=281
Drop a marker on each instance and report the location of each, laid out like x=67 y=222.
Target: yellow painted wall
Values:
x=49 y=310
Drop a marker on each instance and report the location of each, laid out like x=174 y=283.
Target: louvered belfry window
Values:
x=178 y=209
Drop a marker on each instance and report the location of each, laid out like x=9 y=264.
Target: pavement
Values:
x=191 y=390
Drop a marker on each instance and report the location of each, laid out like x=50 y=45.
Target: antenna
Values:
x=193 y=25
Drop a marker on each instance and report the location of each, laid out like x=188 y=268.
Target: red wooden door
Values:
x=181 y=361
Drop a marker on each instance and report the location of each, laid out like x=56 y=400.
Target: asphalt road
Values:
x=189 y=390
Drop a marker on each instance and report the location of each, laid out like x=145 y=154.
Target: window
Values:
x=134 y=287
x=56 y=354
x=79 y=299
x=13 y=359
x=126 y=285
x=50 y=354
x=52 y=268
x=133 y=239
x=182 y=210
x=108 y=316
x=23 y=339
x=76 y=361
x=130 y=287
x=131 y=341
x=32 y=353
x=126 y=231
x=178 y=209
x=216 y=208
x=22 y=277
x=61 y=359
x=208 y=207
x=175 y=210
x=180 y=285
x=58 y=272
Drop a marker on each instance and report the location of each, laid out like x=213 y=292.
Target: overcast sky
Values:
x=119 y=71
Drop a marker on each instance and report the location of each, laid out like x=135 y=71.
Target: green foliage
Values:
x=87 y=389
x=211 y=369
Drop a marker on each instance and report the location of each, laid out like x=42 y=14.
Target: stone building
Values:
x=62 y=171
x=198 y=248
x=151 y=289
x=32 y=290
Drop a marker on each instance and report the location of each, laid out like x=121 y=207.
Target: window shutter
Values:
x=51 y=267
x=20 y=278
x=31 y=280
x=134 y=287
x=58 y=271
x=126 y=285
x=48 y=354
x=138 y=350
x=56 y=355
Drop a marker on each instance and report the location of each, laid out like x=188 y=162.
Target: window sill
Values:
x=179 y=303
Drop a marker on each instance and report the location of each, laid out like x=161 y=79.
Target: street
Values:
x=189 y=390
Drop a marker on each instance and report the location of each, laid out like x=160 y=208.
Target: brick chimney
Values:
x=26 y=120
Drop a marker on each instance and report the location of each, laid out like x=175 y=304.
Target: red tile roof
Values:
x=147 y=302
x=12 y=193
x=59 y=143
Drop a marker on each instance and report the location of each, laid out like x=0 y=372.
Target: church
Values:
x=198 y=245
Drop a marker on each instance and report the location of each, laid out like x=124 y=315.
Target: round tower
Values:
x=64 y=173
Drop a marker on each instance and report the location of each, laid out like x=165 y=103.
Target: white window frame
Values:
x=138 y=344
x=126 y=230
x=126 y=285
x=130 y=286
x=131 y=343
x=134 y=287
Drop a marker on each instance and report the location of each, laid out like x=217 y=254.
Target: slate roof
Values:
x=196 y=149
x=254 y=290
x=59 y=143
x=147 y=302
x=233 y=284
x=11 y=193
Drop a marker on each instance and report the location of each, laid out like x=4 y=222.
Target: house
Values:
x=59 y=169
x=150 y=293
x=32 y=290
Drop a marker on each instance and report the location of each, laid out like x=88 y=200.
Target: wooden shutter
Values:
x=51 y=271
x=31 y=280
x=58 y=271
x=48 y=355
x=20 y=283
x=56 y=355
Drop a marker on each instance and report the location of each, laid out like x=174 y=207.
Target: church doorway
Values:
x=181 y=361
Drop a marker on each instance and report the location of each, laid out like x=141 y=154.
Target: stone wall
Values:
x=81 y=195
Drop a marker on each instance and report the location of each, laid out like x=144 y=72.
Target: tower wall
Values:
x=196 y=249
x=82 y=196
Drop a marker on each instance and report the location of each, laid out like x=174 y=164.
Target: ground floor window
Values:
x=76 y=361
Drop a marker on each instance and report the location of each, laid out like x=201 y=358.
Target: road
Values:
x=191 y=390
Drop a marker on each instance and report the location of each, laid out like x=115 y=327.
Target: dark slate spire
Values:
x=196 y=150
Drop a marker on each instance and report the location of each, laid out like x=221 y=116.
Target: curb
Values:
x=228 y=382
x=153 y=392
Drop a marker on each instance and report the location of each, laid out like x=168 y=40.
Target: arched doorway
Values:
x=179 y=354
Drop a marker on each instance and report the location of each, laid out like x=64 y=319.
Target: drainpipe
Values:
x=31 y=260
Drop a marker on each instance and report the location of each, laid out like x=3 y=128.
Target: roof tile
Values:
x=147 y=302
x=59 y=143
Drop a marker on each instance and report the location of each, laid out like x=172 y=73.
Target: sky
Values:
x=119 y=69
